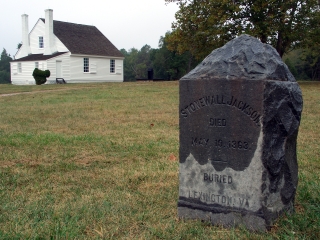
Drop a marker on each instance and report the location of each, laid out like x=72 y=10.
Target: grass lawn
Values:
x=100 y=161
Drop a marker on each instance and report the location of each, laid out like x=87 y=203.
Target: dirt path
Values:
x=54 y=90
x=42 y=91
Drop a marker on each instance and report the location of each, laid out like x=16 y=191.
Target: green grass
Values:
x=99 y=161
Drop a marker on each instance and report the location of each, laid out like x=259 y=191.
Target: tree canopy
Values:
x=136 y=62
x=166 y=64
x=170 y=64
x=203 y=25
x=5 y=67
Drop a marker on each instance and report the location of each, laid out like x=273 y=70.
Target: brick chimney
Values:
x=25 y=48
x=49 y=38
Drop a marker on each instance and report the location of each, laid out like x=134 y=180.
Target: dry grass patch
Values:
x=100 y=161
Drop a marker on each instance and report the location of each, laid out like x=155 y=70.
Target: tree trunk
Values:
x=279 y=47
x=263 y=39
x=318 y=69
x=190 y=62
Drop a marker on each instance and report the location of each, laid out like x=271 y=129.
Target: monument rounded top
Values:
x=244 y=57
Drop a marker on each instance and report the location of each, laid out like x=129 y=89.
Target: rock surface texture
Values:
x=240 y=111
x=243 y=58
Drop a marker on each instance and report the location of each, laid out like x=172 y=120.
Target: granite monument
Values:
x=239 y=114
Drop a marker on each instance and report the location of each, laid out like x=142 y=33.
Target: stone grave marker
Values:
x=239 y=116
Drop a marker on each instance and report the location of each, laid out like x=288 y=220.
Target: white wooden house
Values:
x=75 y=52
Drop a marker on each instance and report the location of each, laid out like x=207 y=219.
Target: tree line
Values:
x=166 y=64
x=304 y=63
x=292 y=27
x=5 y=59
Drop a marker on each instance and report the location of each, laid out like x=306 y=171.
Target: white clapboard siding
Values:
x=100 y=73
x=72 y=70
x=65 y=65
x=60 y=46
x=38 y=30
x=41 y=65
x=25 y=77
x=14 y=68
x=19 y=53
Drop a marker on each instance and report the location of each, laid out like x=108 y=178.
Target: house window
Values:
x=19 y=68
x=40 y=42
x=36 y=65
x=86 y=65
x=112 y=65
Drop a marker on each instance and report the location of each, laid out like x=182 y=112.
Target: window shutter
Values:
x=118 y=70
x=19 y=67
x=93 y=67
x=14 y=69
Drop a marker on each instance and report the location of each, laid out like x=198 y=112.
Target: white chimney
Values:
x=25 y=48
x=49 y=43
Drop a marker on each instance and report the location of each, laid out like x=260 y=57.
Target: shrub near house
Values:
x=40 y=76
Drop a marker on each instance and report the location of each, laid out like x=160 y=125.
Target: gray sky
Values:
x=126 y=23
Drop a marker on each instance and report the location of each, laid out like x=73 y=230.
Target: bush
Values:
x=4 y=77
x=40 y=76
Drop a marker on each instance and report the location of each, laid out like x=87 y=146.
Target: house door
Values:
x=59 y=69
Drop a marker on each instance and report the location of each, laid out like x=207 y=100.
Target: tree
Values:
x=127 y=70
x=5 y=67
x=170 y=64
x=304 y=63
x=311 y=53
x=5 y=61
x=291 y=67
x=143 y=62
x=133 y=64
x=166 y=64
x=306 y=60
x=203 y=25
x=136 y=63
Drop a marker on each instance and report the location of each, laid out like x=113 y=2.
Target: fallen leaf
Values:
x=172 y=157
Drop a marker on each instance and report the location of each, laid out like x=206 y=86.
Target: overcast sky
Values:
x=126 y=23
